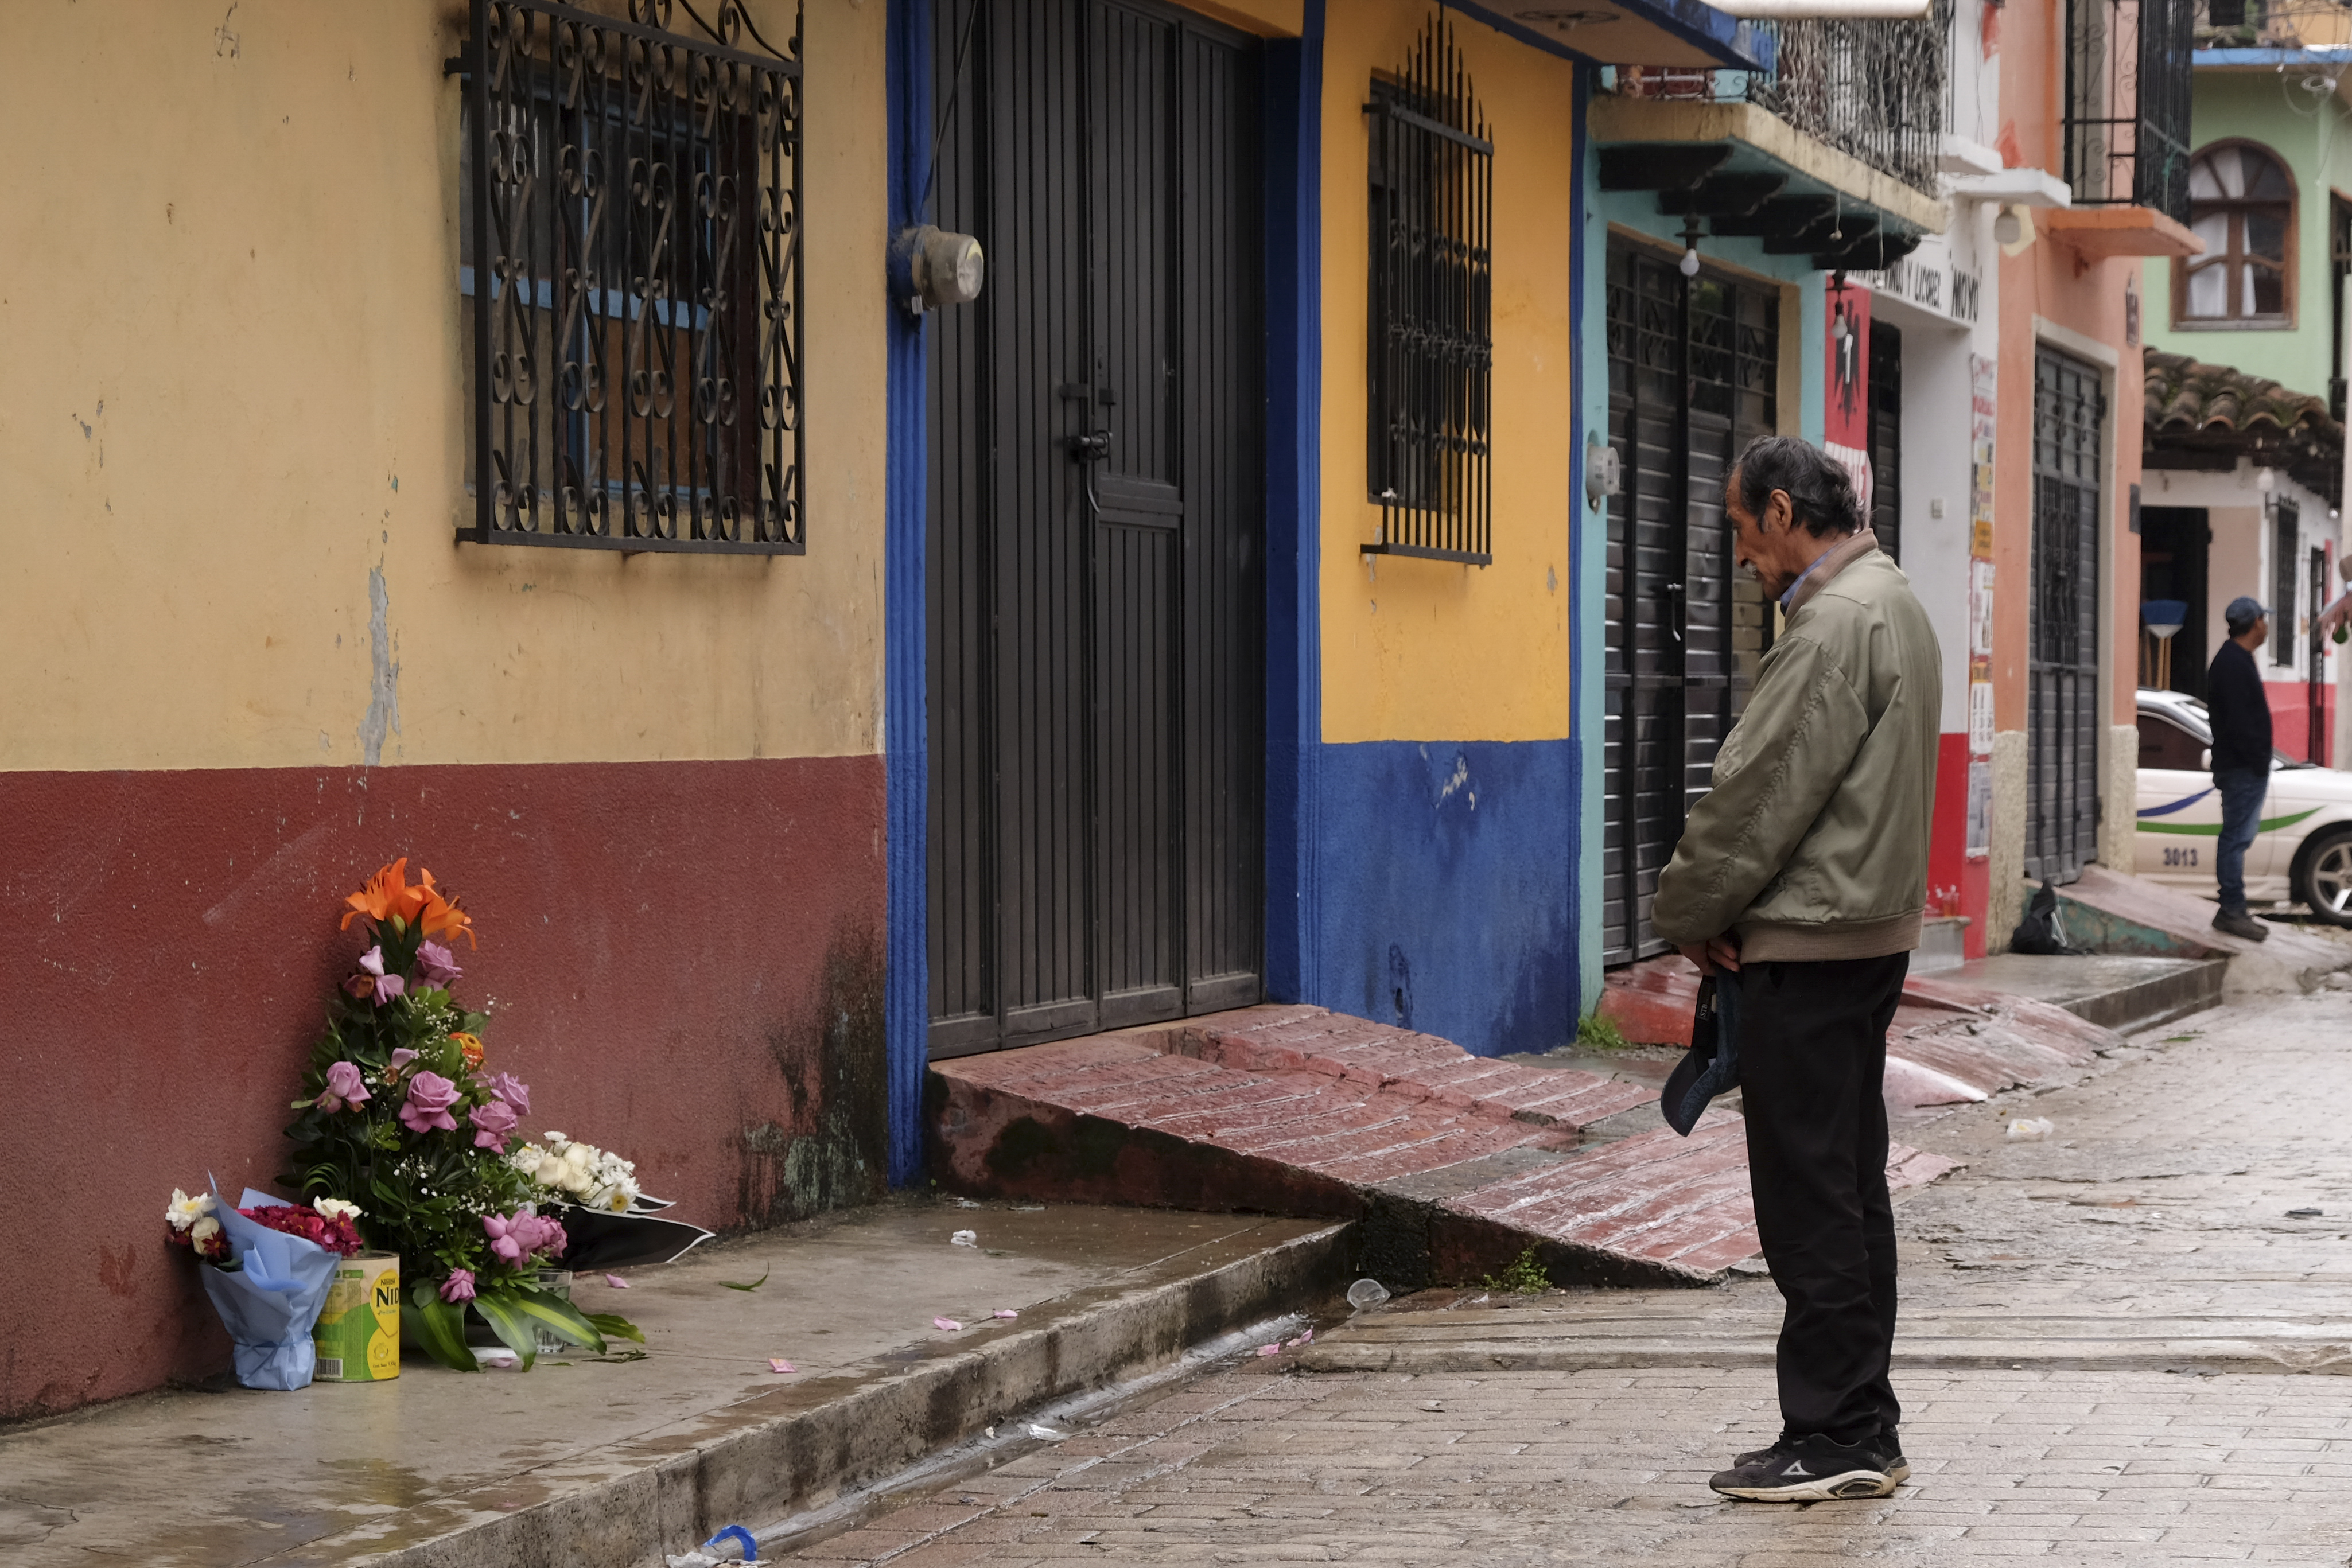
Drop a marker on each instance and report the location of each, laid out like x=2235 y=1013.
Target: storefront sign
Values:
x=1930 y=278
x=1846 y=427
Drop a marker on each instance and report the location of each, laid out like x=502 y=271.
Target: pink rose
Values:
x=435 y=964
x=344 y=1089
x=510 y=1088
x=430 y=1095
x=458 y=1286
x=493 y=1124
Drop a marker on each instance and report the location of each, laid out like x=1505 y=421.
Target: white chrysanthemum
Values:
x=528 y=1159
x=186 y=1211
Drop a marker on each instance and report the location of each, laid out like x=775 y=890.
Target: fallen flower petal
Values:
x=778 y=1364
x=1004 y=1312
x=1269 y=1350
x=946 y=1325
x=1306 y=1338
x=964 y=1239
x=616 y=1282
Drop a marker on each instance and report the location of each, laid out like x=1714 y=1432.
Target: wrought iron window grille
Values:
x=2128 y=88
x=631 y=218
x=1432 y=342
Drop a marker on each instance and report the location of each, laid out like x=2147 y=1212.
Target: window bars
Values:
x=2128 y=100
x=632 y=219
x=1431 y=345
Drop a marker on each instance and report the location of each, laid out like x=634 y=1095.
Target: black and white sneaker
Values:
x=1809 y=1469
x=1888 y=1446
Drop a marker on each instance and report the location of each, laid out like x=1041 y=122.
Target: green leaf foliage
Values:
x=440 y=1328
x=613 y=1325
x=500 y=1310
x=752 y=1286
x=558 y=1317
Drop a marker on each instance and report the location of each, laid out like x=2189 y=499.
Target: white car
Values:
x=2303 y=852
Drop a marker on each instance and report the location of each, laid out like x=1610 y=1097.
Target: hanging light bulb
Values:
x=1691 y=232
x=2006 y=228
x=2262 y=480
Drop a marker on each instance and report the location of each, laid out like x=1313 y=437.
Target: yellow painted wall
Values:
x=1424 y=650
x=232 y=388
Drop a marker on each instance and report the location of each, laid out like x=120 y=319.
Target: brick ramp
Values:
x=1455 y=1163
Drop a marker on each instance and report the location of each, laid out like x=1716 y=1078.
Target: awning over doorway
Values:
x=2201 y=416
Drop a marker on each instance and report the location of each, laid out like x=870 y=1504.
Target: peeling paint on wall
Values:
x=384 y=680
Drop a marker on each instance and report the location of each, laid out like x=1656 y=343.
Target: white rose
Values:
x=337 y=1209
x=580 y=1158
x=204 y=1231
x=570 y=1178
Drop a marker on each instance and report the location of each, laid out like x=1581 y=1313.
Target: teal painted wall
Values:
x=2313 y=138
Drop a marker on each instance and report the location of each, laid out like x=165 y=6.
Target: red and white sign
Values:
x=1846 y=428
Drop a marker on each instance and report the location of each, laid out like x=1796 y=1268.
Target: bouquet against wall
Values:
x=269 y=1265
x=399 y=1111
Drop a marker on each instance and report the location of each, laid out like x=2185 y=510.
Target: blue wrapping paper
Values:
x=270 y=1303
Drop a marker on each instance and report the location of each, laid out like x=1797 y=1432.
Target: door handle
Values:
x=1089 y=448
x=1677 y=595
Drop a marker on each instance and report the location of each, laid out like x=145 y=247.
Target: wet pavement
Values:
x=2188 y=1215
x=337 y=1472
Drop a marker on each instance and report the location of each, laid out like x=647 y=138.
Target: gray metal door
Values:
x=1097 y=623
x=2061 y=695
x=1694 y=371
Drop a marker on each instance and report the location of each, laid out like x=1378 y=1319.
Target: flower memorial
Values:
x=398 y=1114
x=328 y=1222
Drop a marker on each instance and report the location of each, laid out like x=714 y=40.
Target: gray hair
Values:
x=1820 y=491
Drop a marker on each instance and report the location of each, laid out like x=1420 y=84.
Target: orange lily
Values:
x=441 y=917
x=385 y=895
x=469 y=1046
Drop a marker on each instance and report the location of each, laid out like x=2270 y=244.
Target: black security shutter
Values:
x=1694 y=368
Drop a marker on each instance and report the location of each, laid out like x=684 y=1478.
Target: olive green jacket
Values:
x=1812 y=844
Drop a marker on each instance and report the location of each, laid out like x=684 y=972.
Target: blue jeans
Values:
x=2242 y=813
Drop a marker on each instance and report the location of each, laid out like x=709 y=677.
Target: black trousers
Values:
x=1812 y=1055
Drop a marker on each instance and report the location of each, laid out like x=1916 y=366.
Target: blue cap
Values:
x=2243 y=612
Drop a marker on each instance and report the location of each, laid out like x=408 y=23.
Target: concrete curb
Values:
x=627 y=1507
x=1915 y=1354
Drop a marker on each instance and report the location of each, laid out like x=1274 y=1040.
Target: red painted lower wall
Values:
x=686 y=960
x=1947 y=863
x=2290 y=704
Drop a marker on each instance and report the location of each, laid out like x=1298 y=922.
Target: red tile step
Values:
x=1951 y=1042
x=1454 y=1163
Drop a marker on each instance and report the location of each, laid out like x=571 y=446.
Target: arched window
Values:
x=2242 y=204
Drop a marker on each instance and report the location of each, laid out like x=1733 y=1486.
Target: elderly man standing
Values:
x=1799 y=880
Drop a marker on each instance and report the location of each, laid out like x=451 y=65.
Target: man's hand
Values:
x=1716 y=953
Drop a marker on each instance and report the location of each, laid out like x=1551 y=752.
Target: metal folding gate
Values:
x=1095 y=605
x=2061 y=697
x=1694 y=371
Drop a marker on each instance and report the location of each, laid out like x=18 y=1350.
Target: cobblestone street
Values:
x=2163 y=1194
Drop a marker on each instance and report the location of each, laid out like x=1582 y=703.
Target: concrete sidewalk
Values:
x=586 y=1464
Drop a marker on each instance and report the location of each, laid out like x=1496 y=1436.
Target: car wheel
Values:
x=2324 y=881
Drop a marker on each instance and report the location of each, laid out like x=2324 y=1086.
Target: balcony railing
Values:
x=2128 y=100
x=2271 y=24
x=1874 y=91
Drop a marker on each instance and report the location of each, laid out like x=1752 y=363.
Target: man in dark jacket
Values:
x=2241 y=758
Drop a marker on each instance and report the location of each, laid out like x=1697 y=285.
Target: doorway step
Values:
x=2110 y=912
x=1453 y=1164
x=1964 y=1035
